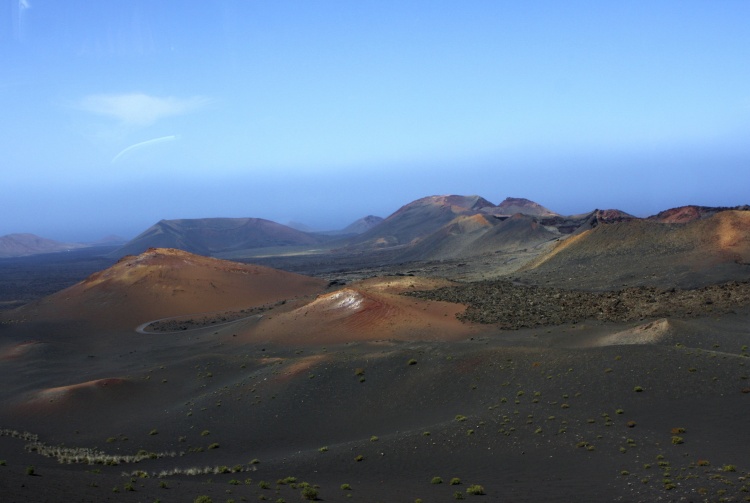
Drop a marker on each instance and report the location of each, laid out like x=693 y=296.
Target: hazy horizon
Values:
x=120 y=115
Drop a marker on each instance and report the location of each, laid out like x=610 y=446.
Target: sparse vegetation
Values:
x=475 y=489
x=309 y=493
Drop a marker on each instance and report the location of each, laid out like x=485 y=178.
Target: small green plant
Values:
x=203 y=499
x=373 y=438
x=475 y=489
x=412 y=362
x=346 y=487
x=323 y=449
x=677 y=440
x=729 y=468
x=205 y=433
x=264 y=485
x=3 y=462
x=129 y=486
x=638 y=389
x=460 y=418
x=458 y=495
x=153 y=432
x=455 y=481
x=309 y=493
x=254 y=461
x=359 y=458
x=215 y=445
x=436 y=480
x=29 y=470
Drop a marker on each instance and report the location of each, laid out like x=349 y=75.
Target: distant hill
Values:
x=419 y=219
x=21 y=245
x=208 y=236
x=684 y=214
x=513 y=205
x=364 y=224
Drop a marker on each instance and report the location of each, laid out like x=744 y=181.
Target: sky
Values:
x=115 y=115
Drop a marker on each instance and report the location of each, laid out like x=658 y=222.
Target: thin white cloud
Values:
x=140 y=109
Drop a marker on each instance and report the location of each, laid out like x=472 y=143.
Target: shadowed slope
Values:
x=164 y=282
x=207 y=236
x=638 y=251
x=467 y=236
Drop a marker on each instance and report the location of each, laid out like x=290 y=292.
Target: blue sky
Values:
x=118 y=114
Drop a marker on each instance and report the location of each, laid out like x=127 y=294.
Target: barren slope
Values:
x=634 y=252
x=164 y=282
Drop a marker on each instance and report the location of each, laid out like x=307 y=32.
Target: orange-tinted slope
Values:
x=370 y=310
x=166 y=282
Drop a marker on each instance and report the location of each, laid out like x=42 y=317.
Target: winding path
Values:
x=141 y=329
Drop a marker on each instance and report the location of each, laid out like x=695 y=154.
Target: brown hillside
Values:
x=165 y=282
x=418 y=219
x=372 y=310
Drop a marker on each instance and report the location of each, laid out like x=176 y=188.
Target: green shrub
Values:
x=455 y=481
x=309 y=493
x=475 y=489
x=203 y=499
x=29 y=470
x=436 y=480
x=412 y=362
x=346 y=487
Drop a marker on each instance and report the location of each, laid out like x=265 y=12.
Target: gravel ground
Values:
x=513 y=306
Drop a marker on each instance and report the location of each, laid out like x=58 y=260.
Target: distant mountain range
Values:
x=431 y=228
x=20 y=245
x=23 y=245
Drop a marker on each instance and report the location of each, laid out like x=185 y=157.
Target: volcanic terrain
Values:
x=451 y=351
